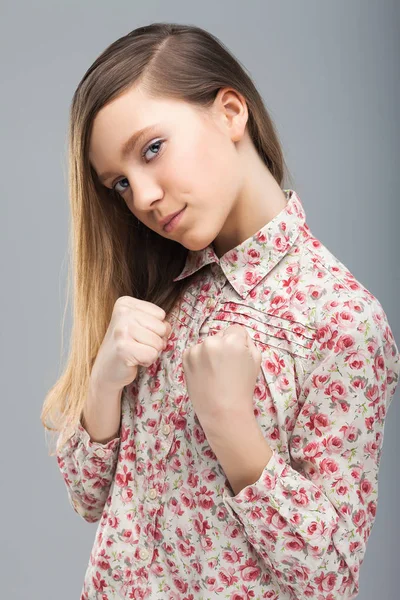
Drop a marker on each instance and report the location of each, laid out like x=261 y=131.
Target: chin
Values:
x=196 y=238
x=197 y=243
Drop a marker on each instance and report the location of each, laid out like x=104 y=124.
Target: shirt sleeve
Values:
x=310 y=520
x=88 y=468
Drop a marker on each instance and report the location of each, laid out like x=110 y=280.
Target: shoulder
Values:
x=344 y=315
x=333 y=291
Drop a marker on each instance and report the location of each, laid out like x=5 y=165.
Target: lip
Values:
x=168 y=225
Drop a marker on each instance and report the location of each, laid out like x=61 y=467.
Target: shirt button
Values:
x=100 y=452
x=166 y=429
x=144 y=553
x=153 y=493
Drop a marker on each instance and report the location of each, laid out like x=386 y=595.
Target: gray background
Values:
x=329 y=74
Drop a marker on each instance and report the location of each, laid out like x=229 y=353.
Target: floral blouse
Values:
x=169 y=525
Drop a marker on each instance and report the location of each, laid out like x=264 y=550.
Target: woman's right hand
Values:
x=136 y=335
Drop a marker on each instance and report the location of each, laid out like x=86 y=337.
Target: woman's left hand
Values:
x=221 y=373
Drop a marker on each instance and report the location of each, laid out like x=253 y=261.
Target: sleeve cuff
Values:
x=260 y=488
x=97 y=448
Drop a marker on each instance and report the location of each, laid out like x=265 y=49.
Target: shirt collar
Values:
x=248 y=263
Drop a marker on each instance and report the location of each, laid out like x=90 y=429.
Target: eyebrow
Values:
x=129 y=146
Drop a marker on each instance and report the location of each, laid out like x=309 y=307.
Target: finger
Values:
x=219 y=333
x=256 y=353
x=235 y=330
x=144 y=334
x=152 y=323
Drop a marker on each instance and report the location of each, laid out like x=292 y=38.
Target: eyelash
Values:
x=161 y=142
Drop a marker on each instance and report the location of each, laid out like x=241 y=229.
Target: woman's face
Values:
x=187 y=158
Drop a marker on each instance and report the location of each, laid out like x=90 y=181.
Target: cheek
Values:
x=204 y=169
x=215 y=171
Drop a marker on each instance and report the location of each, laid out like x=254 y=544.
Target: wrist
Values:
x=99 y=388
x=229 y=425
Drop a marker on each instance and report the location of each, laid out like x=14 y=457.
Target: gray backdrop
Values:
x=329 y=74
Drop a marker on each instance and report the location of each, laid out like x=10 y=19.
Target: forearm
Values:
x=242 y=450
x=295 y=541
x=88 y=467
x=101 y=415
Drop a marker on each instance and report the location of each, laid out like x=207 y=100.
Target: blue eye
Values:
x=158 y=144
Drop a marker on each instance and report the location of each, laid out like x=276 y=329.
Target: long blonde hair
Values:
x=112 y=254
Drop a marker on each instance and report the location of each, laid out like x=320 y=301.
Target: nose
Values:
x=145 y=195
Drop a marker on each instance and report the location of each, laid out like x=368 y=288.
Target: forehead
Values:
x=127 y=114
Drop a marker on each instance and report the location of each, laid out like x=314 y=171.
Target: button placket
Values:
x=166 y=429
x=152 y=494
x=100 y=452
x=219 y=278
x=144 y=553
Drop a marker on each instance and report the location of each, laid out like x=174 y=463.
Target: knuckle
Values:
x=120 y=347
x=121 y=301
x=119 y=332
x=121 y=310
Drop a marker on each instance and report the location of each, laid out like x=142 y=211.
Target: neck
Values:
x=260 y=199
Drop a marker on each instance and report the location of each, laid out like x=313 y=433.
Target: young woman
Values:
x=222 y=411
